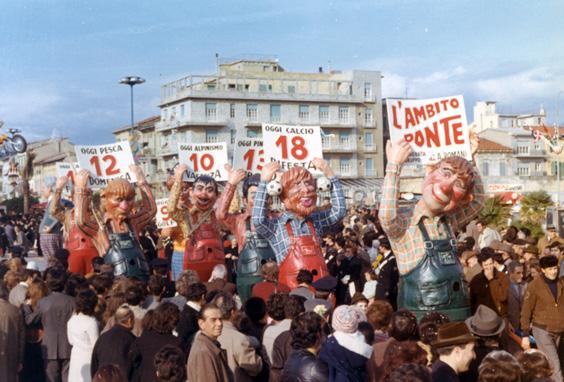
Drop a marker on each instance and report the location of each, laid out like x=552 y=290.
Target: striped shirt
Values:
x=273 y=229
x=401 y=226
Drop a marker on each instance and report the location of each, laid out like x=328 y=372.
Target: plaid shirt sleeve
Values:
x=392 y=222
x=469 y=212
x=264 y=226
x=328 y=218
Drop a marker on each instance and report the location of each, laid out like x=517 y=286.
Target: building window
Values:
x=165 y=114
x=233 y=134
x=523 y=149
x=211 y=86
x=211 y=111
x=211 y=136
x=232 y=110
x=523 y=171
x=182 y=111
x=344 y=139
x=252 y=111
x=369 y=167
x=502 y=169
x=173 y=113
x=323 y=114
x=274 y=113
x=485 y=169
x=368 y=117
x=368 y=141
x=304 y=113
x=367 y=90
x=343 y=114
x=345 y=166
x=291 y=89
x=263 y=88
x=252 y=133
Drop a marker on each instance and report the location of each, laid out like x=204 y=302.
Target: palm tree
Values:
x=495 y=213
x=533 y=207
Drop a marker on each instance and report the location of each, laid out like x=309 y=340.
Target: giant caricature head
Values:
x=250 y=186
x=299 y=193
x=118 y=198
x=448 y=185
x=204 y=192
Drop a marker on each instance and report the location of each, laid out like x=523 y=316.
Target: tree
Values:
x=27 y=173
x=495 y=213
x=533 y=207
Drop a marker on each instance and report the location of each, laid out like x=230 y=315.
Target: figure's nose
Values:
x=447 y=184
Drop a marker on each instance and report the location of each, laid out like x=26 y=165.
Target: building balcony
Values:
x=339 y=145
x=247 y=88
x=531 y=153
x=370 y=148
x=369 y=172
x=347 y=172
x=175 y=124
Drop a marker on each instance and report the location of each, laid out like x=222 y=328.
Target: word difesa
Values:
x=445 y=131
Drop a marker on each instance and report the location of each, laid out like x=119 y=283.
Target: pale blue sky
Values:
x=61 y=60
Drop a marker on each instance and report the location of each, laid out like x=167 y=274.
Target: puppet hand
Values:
x=61 y=183
x=398 y=152
x=323 y=166
x=81 y=178
x=234 y=177
x=179 y=171
x=268 y=171
x=138 y=172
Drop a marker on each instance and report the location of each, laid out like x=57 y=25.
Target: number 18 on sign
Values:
x=204 y=159
x=291 y=145
x=106 y=162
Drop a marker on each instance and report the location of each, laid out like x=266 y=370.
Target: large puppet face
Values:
x=298 y=191
x=448 y=186
x=118 y=198
x=203 y=194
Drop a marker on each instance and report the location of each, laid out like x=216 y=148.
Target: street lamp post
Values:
x=132 y=81
x=557 y=134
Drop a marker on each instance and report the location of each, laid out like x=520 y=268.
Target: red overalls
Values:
x=304 y=252
x=204 y=250
x=81 y=250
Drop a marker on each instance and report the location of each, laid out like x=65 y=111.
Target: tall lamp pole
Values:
x=557 y=134
x=132 y=81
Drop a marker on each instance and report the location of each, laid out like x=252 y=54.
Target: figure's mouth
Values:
x=439 y=196
x=202 y=201
x=306 y=202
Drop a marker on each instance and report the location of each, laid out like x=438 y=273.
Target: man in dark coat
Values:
x=53 y=312
x=489 y=287
x=114 y=346
x=188 y=322
x=388 y=275
x=12 y=338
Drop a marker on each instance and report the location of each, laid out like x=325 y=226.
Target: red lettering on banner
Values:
x=395 y=117
x=429 y=136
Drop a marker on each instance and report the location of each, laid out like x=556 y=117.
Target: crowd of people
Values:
x=96 y=324
x=346 y=326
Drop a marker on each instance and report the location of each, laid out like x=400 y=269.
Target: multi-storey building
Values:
x=247 y=92
x=486 y=117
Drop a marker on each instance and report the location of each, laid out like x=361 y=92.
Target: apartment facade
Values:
x=245 y=93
